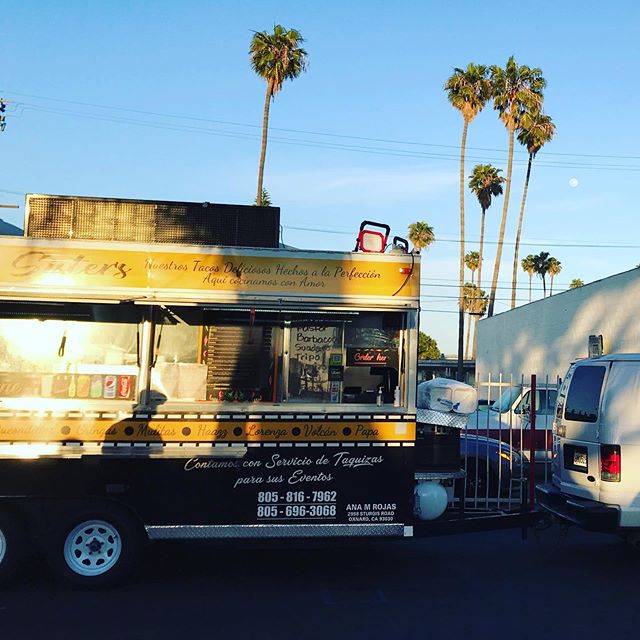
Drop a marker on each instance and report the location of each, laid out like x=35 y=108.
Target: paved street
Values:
x=490 y=585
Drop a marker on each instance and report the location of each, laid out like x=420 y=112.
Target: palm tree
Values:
x=478 y=309
x=515 y=89
x=468 y=90
x=541 y=267
x=529 y=266
x=421 y=235
x=471 y=260
x=576 y=283
x=275 y=57
x=265 y=201
x=484 y=183
x=468 y=296
x=554 y=267
x=536 y=129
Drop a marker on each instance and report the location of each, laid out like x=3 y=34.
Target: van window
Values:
x=584 y=394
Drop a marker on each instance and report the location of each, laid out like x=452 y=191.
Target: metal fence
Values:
x=502 y=455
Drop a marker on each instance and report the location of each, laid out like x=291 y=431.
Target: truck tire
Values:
x=12 y=547
x=96 y=546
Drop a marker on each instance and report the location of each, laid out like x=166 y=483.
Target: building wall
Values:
x=543 y=337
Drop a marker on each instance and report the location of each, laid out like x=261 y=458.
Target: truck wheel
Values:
x=12 y=547
x=96 y=547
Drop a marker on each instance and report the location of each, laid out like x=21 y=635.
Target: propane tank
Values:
x=430 y=500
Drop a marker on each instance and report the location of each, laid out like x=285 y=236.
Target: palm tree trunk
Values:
x=265 y=128
x=466 y=347
x=484 y=211
x=514 y=280
x=475 y=332
x=544 y=288
x=529 y=287
x=463 y=144
x=503 y=224
x=551 y=286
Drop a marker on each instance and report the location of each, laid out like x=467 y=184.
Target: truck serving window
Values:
x=584 y=394
x=249 y=355
x=69 y=351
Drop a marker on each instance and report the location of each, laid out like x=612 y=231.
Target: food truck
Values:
x=156 y=391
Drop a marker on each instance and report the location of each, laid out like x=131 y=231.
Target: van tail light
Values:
x=610 y=462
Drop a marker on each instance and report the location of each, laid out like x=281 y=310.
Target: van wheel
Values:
x=12 y=547
x=96 y=547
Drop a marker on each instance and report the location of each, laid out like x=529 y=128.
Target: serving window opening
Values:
x=259 y=356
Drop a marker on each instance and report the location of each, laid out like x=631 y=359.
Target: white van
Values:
x=596 y=447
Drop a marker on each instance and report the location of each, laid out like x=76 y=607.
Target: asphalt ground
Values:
x=555 y=584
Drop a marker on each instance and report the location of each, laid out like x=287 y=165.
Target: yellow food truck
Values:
x=153 y=391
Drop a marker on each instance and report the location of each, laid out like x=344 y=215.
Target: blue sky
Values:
x=157 y=100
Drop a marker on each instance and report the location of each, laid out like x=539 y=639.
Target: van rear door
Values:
x=620 y=428
x=578 y=425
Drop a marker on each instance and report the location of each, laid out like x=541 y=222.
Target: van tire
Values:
x=13 y=547
x=480 y=482
x=96 y=546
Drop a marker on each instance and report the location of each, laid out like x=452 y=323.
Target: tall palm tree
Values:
x=536 y=129
x=275 y=57
x=472 y=261
x=541 y=267
x=468 y=90
x=515 y=89
x=478 y=309
x=468 y=296
x=421 y=235
x=576 y=283
x=529 y=267
x=554 y=267
x=485 y=183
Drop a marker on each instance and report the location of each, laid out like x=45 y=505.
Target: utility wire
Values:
x=306 y=131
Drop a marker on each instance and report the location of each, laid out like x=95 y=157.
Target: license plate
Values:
x=580 y=459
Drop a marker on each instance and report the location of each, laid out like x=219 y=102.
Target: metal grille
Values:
x=152 y=221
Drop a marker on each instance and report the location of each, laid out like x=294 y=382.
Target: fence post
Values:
x=532 y=444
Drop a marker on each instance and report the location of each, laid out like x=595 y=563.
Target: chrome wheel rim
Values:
x=92 y=548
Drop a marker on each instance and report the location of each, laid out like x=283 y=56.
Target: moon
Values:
x=573 y=182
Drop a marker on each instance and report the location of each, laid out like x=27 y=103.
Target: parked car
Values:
x=490 y=465
x=509 y=419
x=596 y=448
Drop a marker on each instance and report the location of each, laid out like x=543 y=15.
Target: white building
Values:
x=543 y=337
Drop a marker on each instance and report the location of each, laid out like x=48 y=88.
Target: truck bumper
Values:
x=588 y=514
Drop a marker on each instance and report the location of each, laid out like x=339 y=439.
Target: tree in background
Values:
x=468 y=90
x=470 y=291
x=275 y=57
x=515 y=90
x=536 y=129
x=541 y=267
x=485 y=183
x=427 y=347
x=265 y=201
x=529 y=266
x=421 y=235
x=576 y=283
x=554 y=267
x=471 y=260
x=478 y=309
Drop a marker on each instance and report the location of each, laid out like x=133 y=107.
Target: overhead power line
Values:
x=369 y=149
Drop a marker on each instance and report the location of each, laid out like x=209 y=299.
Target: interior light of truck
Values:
x=610 y=462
